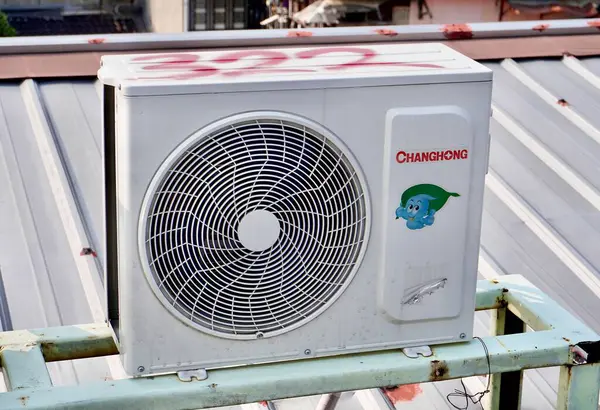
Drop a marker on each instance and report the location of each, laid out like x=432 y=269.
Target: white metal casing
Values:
x=408 y=114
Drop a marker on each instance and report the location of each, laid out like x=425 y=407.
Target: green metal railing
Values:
x=558 y=339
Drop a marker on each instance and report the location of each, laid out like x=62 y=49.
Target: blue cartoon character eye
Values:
x=420 y=203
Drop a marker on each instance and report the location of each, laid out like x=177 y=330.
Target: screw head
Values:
x=260 y=335
x=462 y=335
x=141 y=369
x=307 y=352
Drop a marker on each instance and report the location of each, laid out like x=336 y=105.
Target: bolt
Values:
x=462 y=335
x=260 y=335
x=141 y=369
x=307 y=352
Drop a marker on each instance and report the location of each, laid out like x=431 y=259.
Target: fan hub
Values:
x=258 y=230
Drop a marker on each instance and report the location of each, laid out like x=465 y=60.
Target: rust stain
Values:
x=562 y=102
x=297 y=33
x=567 y=340
x=23 y=400
x=386 y=32
x=541 y=27
x=501 y=302
x=96 y=40
x=213 y=386
x=88 y=251
x=457 y=31
x=439 y=371
x=93 y=348
x=594 y=23
x=407 y=392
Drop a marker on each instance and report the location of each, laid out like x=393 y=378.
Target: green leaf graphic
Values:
x=440 y=194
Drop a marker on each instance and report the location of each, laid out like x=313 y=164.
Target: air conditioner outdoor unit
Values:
x=282 y=203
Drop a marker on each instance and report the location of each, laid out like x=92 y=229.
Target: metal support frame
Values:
x=558 y=339
x=505 y=322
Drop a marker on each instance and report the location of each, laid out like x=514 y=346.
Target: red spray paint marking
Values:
x=386 y=32
x=299 y=34
x=168 y=61
x=594 y=23
x=364 y=57
x=267 y=62
x=96 y=41
x=178 y=61
x=541 y=27
x=406 y=392
x=457 y=31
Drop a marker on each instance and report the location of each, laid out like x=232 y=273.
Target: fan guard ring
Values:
x=198 y=261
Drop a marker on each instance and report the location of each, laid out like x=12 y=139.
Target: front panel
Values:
x=359 y=319
x=428 y=161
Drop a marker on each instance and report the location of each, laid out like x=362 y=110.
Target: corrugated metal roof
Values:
x=541 y=212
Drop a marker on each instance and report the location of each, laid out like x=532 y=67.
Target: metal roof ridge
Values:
x=241 y=38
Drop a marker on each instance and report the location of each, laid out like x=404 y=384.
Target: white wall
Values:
x=165 y=16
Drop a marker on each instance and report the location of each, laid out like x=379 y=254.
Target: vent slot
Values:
x=110 y=202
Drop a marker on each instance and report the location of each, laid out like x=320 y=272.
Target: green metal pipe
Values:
x=248 y=384
x=24 y=368
x=65 y=342
x=578 y=387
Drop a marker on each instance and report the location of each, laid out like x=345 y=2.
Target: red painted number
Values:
x=266 y=62
x=364 y=57
x=188 y=62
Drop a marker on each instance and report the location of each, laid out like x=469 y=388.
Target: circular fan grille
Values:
x=255 y=227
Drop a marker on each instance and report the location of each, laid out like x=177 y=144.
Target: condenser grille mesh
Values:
x=192 y=228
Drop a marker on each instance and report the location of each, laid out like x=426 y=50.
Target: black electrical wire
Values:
x=475 y=398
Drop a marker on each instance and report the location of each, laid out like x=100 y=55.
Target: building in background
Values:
x=61 y=17
x=56 y=17
x=166 y=16
x=51 y=17
x=172 y=16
